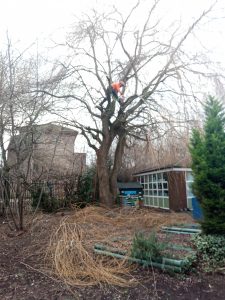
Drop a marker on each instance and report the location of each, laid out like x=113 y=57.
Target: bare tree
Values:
x=18 y=107
x=168 y=149
x=104 y=48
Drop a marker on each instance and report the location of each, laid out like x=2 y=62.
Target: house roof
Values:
x=129 y=185
x=167 y=168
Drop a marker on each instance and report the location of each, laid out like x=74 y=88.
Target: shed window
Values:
x=189 y=176
x=189 y=182
x=159 y=176
x=165 y=193
x=156 y=190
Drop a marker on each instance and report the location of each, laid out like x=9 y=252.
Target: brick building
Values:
x=45 y=151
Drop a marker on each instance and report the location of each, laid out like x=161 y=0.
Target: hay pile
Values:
x=73 y=259
x=71 y=246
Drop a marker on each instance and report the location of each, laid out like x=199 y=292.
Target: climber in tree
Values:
x=116 y=90
x=113 y=89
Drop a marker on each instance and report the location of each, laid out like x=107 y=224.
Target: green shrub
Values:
x=210 y=250
x=46 y=202
x=208 y=164
x=147 y=248
x=86 y=186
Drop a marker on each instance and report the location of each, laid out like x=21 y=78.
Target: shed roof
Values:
x=167 y=168
x=129 y=185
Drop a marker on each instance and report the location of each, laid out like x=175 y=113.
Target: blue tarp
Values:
x=197 y=210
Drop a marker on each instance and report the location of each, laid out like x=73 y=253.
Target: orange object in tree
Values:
x=116 y=86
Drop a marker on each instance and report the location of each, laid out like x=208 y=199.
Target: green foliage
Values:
x=85 y=187
x=190 y=261
x=74 y=189
x=210 y=250
x=44 y=200
x=71 y=183
x=147 y=248
x=208 y=164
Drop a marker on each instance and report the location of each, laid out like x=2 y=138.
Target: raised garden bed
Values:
x=176 y=257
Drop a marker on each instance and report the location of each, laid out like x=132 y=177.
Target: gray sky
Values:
x=29 y=20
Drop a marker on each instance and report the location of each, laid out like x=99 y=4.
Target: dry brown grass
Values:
x=74 y=261
x=71 y=246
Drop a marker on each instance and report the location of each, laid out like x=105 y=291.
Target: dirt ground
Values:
x=23 y=274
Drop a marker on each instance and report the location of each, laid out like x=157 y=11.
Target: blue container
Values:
x=196 y=209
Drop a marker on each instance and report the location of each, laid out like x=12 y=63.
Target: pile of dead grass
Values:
x=74 y=261
x=71 y=246
x=103 y=223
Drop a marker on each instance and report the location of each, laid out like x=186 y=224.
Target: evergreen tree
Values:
x=208 y=165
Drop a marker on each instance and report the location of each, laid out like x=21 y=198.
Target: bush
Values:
x=86 y=187
x=147 y=248
x=210 y=250
x=208 y=165
x=46 y=202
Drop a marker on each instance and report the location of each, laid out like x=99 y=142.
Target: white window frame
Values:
x=188 y=182
x=150 y=198
x=151 y=195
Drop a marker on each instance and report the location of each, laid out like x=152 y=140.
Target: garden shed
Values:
x=129 y=192
x=167 y=188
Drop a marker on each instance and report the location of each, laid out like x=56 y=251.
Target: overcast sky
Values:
x=26 y=20
x=29 y=20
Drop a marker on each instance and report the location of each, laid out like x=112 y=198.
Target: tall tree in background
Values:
x=208 y=165
x=103 y=48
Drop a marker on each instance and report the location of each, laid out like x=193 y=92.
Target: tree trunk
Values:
x=6 y=194
x=108 y=179
x=117 y=164
x=19 y=198
x=105 y=195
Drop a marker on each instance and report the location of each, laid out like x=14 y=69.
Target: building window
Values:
x=155 y=190
x=189 y=182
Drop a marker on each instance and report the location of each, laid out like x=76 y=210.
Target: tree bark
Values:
x=117 y=164
x=105 y=195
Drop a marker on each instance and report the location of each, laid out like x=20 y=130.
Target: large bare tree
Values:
x=103 y=48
